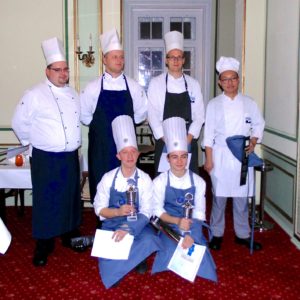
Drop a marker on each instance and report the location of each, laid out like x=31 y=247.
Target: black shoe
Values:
x=68 y=236
x=141 y=268
x=80 y=244
x=43 y=248
x=39 y=259
x=247 y=242
x=216 y=242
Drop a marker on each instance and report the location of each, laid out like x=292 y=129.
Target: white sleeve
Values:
x=155 y=109
x=197 y=110
x=101 y=199
x=146 y=196
x=209 y=128
x=200 y=202
x=22 y=118
x=139 y=100
x=159 y=190
x=88 y=101
x=258 y=123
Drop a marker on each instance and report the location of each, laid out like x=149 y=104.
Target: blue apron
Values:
x=178 y=105
x=173 y=206
x=145 y=240
x=101 y=146
x=56 y=204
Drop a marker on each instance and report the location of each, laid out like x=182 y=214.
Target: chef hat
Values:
x=110 y=41
x=5 y=237
x=123 y=132
x=175 y=134
x=53 y=50
x=227 y=64
x=173 y=40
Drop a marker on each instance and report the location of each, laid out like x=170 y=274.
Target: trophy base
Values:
x=131 y=218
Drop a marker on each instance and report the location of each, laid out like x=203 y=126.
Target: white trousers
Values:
x=240 y=216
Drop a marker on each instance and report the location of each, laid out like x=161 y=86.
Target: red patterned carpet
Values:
x=273 y=273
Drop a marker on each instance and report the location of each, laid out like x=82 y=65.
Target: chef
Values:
x=103 y=99
x=175 y=94
x=172 y=189
x=112 y=208
x=228 y=115
x=48 y=119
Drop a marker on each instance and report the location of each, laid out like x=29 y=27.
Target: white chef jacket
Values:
x=184 y=182
x=48 y=118
x=156 y=102
x=224 y=118
x=145 y=188
x=89 y=96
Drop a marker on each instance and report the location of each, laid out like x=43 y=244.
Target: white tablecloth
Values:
x=12 y=177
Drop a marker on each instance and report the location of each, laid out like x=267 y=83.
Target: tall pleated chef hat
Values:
x=5 y=237
x=123 y=132
x=175 y=134
x=110 y=41
x=173 y=40
x=53 y=50
x=227 y=64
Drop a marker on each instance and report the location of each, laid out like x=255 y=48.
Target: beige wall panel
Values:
x=23 y=25
x=282 y=67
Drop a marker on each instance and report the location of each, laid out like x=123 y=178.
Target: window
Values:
x=145 y=24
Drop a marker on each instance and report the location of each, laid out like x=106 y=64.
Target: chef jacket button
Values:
x=65 y=127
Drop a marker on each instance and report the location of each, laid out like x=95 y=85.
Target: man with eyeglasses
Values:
x=175 y=94
x=48 y=119
x=102 y=100
x=230 y=114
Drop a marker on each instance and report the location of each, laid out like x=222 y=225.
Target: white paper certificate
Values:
x=186 y=262
x=5 y=237
x=106 y=247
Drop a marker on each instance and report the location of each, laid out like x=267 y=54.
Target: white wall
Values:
x=23 y=25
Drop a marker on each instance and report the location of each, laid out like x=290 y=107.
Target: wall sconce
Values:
x=87 y=58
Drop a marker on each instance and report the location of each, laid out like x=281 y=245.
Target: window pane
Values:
x=156 y=30
x=176 y=26
x=187 y=63
x=144 y=60
x=156 y=73
x=157 y=60
x=145 y=30
x=187 y=30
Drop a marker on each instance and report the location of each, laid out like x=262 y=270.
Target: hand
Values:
x=208 y=166
x=187 y=242
x=251 y=146
x=125 y=210
x=119 y=235
x=185 y=224
x=189 y=138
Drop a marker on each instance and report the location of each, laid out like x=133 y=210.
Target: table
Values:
x=13 y=177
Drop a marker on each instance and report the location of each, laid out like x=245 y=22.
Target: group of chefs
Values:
x=48 y=118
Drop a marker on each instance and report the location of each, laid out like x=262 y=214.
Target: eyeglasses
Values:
x=60 y=70
x=175 y=58
x=232 y=79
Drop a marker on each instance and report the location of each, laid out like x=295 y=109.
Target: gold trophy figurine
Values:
x=131 y=198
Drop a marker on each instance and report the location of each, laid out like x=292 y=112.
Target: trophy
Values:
x=131 y=198
x=188 y=206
